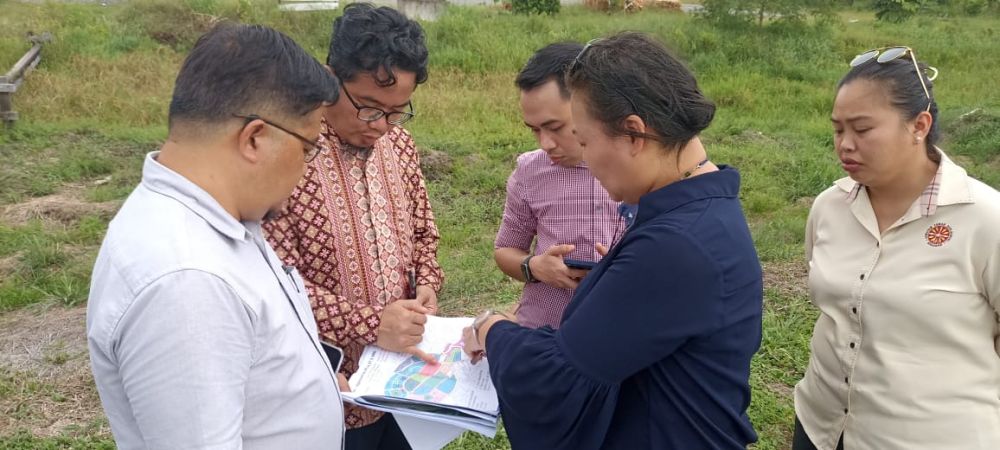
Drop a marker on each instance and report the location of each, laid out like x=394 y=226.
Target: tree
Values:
x=896 y=10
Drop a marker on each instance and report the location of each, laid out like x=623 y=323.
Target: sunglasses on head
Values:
x=885 y=54
x=576 y=61
x=577 y=64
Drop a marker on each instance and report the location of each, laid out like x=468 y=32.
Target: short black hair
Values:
x=630 y=73
x=549 y=63
x=248 y=69
x=901 y=83
x=366 y=39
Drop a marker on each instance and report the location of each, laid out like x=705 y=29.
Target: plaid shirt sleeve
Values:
x=425 y=231
x=518 y=225
x=300 y=242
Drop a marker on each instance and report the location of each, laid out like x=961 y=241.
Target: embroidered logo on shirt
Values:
x=938 y=234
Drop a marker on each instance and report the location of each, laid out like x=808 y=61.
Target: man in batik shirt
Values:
x=359 y=222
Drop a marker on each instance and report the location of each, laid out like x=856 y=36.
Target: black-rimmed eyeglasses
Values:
x=886 y=54
x=311 y=148
x=371 y=114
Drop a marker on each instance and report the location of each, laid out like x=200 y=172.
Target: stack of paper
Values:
x=453 y=391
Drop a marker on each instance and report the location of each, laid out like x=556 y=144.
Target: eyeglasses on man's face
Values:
x=885 y=54
x=310 y=147
x=371 y=114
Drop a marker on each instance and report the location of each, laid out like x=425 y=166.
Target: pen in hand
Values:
x=411 y=280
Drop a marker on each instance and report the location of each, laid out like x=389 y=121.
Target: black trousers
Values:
x=800 y=441
x=384 y=434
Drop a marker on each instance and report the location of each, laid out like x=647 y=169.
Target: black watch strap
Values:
x=526 y=270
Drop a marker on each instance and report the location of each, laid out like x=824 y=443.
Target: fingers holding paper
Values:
x=470 y=345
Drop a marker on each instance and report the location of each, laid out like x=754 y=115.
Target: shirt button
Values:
x=852 y=345
x=862 y=276
x=854 y=310
x=845 y=410
x=846 y=380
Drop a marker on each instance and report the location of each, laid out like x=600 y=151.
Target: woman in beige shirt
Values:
x=904 y=266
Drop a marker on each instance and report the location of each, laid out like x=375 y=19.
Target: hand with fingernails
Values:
x=402 y=328
x=550 y=269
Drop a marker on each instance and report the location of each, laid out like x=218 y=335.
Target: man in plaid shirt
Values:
x=552 y=198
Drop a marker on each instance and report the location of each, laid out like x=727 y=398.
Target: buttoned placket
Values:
x=863 y=211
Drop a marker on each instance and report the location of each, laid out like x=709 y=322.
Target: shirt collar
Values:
x=160 y=179
x=724 y=183
x=948 y=187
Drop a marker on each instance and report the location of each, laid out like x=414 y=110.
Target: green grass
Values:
x=98 y=103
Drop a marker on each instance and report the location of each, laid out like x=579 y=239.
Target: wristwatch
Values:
x=526 y=270
x=481 y=319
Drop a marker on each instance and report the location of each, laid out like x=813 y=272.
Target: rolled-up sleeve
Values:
x=184 y=349
x=519 y=224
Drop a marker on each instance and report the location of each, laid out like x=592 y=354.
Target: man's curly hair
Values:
x=367 y=39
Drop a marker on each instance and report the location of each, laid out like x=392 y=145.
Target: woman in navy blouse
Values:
x=654 y=349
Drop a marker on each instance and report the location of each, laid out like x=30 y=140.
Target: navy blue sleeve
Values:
x=545 y=401
x=658 y=292
x=559 y=389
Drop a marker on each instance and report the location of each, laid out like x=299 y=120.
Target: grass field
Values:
x=98 y=103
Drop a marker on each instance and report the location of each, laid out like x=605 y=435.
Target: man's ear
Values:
x=250 y=140
x=636 y=127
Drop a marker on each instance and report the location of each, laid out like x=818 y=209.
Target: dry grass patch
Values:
x=8 y=264
x=46 y=386
x=787 y=278
x=65 y=207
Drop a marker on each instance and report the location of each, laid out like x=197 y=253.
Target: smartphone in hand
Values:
x=334 y=354
x=579 y=264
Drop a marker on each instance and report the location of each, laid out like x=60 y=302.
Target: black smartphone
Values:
x=579 y=264
x=334 y=354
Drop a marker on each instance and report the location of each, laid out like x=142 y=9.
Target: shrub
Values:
x=535 y=6
x=896 y=11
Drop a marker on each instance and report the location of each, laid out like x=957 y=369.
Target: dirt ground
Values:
x=46 y=388
x=45 y=372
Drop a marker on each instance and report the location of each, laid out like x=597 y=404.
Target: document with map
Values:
x=453 y=391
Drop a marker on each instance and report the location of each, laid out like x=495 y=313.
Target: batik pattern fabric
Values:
x=356 y=223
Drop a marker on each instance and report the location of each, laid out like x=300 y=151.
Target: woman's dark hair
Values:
x=248 y=69
x=630 y=73
x=901 y=83
x=549 y=63
x=366 y=39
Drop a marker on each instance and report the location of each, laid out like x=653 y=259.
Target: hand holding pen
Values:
x=425 y=294
x=411 y=283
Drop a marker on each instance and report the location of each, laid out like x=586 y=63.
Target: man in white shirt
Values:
x=198 y=336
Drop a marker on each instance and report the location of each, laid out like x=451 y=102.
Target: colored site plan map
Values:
x=416 y=380
x=453 y=381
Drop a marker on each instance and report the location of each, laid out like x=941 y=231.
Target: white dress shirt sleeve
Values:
x=184 y=349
